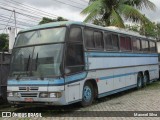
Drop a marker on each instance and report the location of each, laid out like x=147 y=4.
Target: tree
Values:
x=4 y=42
x=114 y=12
x=48 y=20
x=147 y=30
x=158 y=30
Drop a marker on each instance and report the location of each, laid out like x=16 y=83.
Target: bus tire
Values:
x=87 y=94
x=145 y=79
x=139 y=81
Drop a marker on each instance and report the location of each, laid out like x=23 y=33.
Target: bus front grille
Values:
x=28 y=88
x=29 y=94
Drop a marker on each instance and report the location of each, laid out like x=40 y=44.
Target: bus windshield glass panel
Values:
x=39 y=61
x=51 y=35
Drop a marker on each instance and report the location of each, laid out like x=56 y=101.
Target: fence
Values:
x=4 y=71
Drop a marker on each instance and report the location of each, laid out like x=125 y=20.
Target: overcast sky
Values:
x=73 y=13
x=69 y=9
x=60 y=9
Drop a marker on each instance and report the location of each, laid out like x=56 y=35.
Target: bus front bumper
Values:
x=45 y=98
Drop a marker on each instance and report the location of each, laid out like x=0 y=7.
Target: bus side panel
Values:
x=118 y=71
x=74 y=86
x=154 y=72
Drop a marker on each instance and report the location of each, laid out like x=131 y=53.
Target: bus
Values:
x=67 y=62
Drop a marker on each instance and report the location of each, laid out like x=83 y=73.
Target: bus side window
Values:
x=89 y=39
x=122 y=43
x=145 y=46
x=74 y=58
x=98 y=39
x=115 y=42
x=111 y=41
x=136 y=44
x=125 y=43
x=152 y=46
x=128 y=44
x=108 y=41
x=75 y=34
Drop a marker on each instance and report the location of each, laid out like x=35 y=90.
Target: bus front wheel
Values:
x=88 y=94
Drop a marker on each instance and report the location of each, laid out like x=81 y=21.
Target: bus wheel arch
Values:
x=91 y=86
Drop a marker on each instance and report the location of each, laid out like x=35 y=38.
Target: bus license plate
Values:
x=28 y=99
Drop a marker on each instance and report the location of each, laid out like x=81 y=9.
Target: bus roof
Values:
x=67 y=23
x=52 y=24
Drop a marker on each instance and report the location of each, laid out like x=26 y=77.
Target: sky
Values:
x=153 y=15
x=61 y=9
x=73 y=13
x=69 y=9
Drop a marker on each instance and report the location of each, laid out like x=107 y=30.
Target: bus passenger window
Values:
x=128 y=44
x=108 y=41
x=98 y=39
x=75 y=34
x=122 y=43
x=145 y=46
x=136 y=44
x=152 y=46
x=115 y=42
x=74 y=58
x=89 y=39
x=125 y=43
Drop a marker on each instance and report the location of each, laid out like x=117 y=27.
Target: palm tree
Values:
x=114 y=12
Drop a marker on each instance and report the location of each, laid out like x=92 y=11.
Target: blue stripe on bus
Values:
x=76 y=77
x=60 y=82
x=116 y=91
x=115 y=76
x=36 y=82
x=108 y=54
x=48 y=82
x=121 y=75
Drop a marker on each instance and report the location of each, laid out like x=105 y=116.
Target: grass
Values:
x=153 y=86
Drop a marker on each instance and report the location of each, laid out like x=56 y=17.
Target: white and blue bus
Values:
x=66 y=62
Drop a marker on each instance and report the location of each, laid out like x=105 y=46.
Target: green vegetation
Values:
x=147 y=30
x=115 y=12
x=48 y=20
x=4 y=42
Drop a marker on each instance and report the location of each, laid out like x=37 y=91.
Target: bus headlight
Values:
x=16 y=94
x=50 y=95
x=43 y=95
x=55 y=95
x=10 y=94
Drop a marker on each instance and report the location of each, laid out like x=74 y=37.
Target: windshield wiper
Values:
x=19 y=74
x=36 y=62
x=27 y=66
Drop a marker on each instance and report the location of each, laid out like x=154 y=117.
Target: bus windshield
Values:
x=38 y=61
x=50 y=35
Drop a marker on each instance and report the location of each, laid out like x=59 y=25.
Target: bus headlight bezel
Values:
x=43 y=95
x=50 y=95
x=55 y=94
x=10 y=94
x=16 y=94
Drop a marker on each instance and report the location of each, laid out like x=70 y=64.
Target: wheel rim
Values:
x=87 y=94
x=139 y=82
x=145 y=79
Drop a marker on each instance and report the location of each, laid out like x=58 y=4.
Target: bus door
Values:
x=74 y=65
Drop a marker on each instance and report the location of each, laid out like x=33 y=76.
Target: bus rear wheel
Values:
x=145 y=80
x=139 y=81
x=88 y=94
